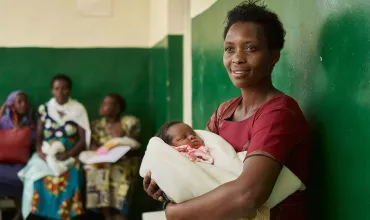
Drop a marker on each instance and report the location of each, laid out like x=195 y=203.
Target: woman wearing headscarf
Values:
x=18 y=114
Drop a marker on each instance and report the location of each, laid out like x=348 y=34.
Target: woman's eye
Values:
x=229 y=49
x=250 y=48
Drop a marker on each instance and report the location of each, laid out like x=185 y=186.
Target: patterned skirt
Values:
x=110 y=186
x=59 y=197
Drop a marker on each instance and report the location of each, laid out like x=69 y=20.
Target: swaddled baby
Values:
x=51 y=150
x=184 y=139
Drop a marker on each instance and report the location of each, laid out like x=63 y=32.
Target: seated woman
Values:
x=65 y=120
x=18 y=114
x=111 y=194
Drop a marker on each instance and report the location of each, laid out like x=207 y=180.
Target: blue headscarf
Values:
x=6 y=121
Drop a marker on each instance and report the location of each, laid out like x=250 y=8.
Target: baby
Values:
x=184 y=139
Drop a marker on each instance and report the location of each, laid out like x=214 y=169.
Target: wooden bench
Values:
x=5 y=203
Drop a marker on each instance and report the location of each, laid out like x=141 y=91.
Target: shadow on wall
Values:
x=340 y=119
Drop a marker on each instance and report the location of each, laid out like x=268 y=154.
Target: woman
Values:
x=65 y=120
x=111 y=195
x=263 y=121
x=18 y=114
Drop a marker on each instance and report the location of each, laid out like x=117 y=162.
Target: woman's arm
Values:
x=134 y=132
x=2 y=109
x=133 y=128
x=233 y=200
x=80 y=145
x=94 y=145
x=40 y=138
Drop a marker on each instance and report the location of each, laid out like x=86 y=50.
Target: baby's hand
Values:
x=192 y=157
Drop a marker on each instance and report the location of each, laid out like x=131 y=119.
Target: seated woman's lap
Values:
x=59 y=196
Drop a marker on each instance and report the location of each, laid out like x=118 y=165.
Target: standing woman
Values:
x=18 y=114
x=263 y=121
x=61 y=119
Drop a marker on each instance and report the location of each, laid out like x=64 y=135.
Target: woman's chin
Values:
x=61 y=101
x=240 y=85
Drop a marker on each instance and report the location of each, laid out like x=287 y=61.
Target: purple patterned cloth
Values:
x=10 y=185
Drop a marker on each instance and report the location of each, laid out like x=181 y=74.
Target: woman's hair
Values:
x=61 y=77
x=162 y=132
x=119 y=100
x=251 y=11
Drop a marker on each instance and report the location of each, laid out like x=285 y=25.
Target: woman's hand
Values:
x=41 y=155
x=2 y=108
x=62 y=156
x=151 y=188
x=17 y=124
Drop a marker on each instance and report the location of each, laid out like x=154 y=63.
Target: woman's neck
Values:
x=255 y=97
x=62 y=103
x=112 y=119
x=20 y=116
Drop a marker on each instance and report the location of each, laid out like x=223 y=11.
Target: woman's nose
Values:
x=239 y=57
x=191 y=137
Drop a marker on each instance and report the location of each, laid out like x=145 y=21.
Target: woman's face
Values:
x=247 y=58
x=21 y=104
x=61 y=91
x=108 y=107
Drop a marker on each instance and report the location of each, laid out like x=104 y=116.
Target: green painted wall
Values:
x=165 y=99
x=325 y=66
x=166 y=67
x=95 y=72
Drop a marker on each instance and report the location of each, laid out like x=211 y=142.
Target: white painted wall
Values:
x=59 y=23
x=158 y=25
x=187 y=67
x=199 y=6
x=166 y=17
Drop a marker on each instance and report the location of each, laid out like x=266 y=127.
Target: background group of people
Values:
x=64 y=119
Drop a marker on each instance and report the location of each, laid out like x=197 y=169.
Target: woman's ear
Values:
x=275 y=56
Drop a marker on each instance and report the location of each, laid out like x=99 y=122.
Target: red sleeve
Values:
x=212 y=124
x=225 y=109
x=275 y=132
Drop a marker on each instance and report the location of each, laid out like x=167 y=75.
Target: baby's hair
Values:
x=162 y=132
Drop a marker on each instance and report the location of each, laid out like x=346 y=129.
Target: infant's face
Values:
x=183 y=134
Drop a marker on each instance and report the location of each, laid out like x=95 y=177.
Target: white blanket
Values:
x=51 y=150
x=182 y=179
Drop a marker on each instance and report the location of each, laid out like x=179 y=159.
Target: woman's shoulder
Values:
x=228 y=105
x=76 y=104
x=281 y=102
x=230 y=101
x=42 y=108
x=129 y=119
x=97 y=122
x=284 y=105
